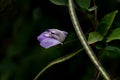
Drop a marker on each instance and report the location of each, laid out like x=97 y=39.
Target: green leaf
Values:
x=94 y=37
x=85 y=4
x=111 y=52
x=115 y=34
x=92 y=8
x=59 y=60
x=60 y=2
x=106 y=23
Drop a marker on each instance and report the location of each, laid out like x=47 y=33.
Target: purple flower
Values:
x=51 y=37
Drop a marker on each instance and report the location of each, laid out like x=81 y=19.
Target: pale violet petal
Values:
x=65 y=33
x=43 y=35
x=49 y=42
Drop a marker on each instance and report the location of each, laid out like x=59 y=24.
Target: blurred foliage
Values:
x=21 y=56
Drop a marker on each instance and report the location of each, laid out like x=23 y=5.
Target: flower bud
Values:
x=51 y=37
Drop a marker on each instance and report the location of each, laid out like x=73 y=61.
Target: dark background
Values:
x=21 y=56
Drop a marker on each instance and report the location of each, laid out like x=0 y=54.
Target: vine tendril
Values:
x=84 y=42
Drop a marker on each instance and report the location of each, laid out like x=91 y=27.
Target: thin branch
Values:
x=95 y=16
x=84 y=42
x=59 y=60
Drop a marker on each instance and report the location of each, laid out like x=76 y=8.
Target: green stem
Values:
x=95 y=16
x=59 y=60
x=84 y=42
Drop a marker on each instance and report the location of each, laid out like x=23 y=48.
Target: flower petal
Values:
x=49 y=42
x=51 y=37
x=43 y=35
x=58 y=34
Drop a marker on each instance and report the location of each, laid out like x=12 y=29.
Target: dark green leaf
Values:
x=111 y=52
x=115 y=34
x=94 y=37
x=106 y=23
x=60 y=2
x=85 y=4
